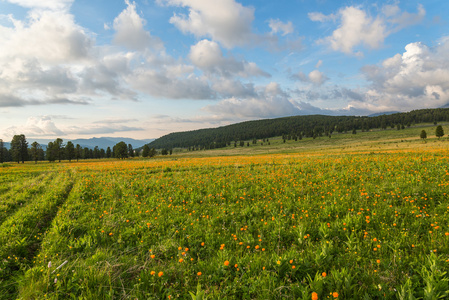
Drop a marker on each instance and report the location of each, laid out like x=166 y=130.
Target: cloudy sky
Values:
x=145 y=68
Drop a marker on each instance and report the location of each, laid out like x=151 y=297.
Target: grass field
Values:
x=362 y=216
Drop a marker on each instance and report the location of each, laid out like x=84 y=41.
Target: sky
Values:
x=146 y=68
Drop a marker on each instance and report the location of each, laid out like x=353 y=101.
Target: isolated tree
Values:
x=35 y=147
x=423 y=134
x=153 y=152
x=69 y=151
x=120 y=150
x=146 y=151
x=19 y=148
x=130 y=150
x=439 y=132
x=164 y=152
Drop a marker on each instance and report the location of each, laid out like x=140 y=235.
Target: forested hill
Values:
x=297 y=126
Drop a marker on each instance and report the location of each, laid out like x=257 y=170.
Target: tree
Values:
x=130 y=150
x=50 y=153
x=164 y=152
x=58 y=148
x=423 y=134
x=77 y=152
x=19 y=148
x=35 y=147
x=108 y=152
x=120 y=150
x=146 y=151
x=69 y=150
x=439 y=132
x=2 y=157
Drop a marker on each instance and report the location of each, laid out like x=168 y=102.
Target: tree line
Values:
x=57 y=150
x=295 y=128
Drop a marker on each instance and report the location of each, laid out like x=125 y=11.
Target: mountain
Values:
x=384 y=113
x=105 y=142
x=102 y=143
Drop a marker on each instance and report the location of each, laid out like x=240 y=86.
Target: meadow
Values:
x=354 y=218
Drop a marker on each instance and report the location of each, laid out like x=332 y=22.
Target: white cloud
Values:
x=417 y=78
x=315 y=77
x=279 y=26
x=130 y=32
x=208 y=56
x=357 y=28
x=225 y=21
x=44 y=4
x=270 y=101
x=320 y=17
x=50 y=37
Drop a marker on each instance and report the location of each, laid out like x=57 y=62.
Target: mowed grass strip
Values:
x=21 y=233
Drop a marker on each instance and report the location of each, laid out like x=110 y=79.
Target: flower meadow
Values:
x=310 y=225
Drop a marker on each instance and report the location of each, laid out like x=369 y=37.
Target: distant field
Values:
x=362 y=216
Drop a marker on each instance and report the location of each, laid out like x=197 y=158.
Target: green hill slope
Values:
x=297 y=126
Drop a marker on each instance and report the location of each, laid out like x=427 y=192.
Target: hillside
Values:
x=297 y=126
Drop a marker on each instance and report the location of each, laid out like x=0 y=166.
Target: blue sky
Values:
x=143 y=69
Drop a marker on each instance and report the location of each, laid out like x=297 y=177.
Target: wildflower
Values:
x=378 y=261
x=324 y=274
x=153 y=256
x=152 y=273
x=335 y=294
x=226 y=263
x=160 y=274
x=181 y=260
x=314 y=296
x=199 y=273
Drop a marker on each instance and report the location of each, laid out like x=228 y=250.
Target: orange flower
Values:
x=153 y=256
x=152 y=272
x=160 y=274
x=378 y=261
x=314 y=296
x=335 y=294
x=181 y=260
x=226 y=263
x=324 y=274
x=199 y=273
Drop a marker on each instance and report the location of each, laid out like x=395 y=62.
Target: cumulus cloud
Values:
x=357 y=28
x=270 y=101
x=207 y=56
x=278 y=26
x=417 y=78
x=315 y=77
x=130 y=32
x=225 y=21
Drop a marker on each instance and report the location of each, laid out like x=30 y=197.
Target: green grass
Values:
x=365 y=216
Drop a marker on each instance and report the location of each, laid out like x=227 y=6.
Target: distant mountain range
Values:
x=102 y=142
